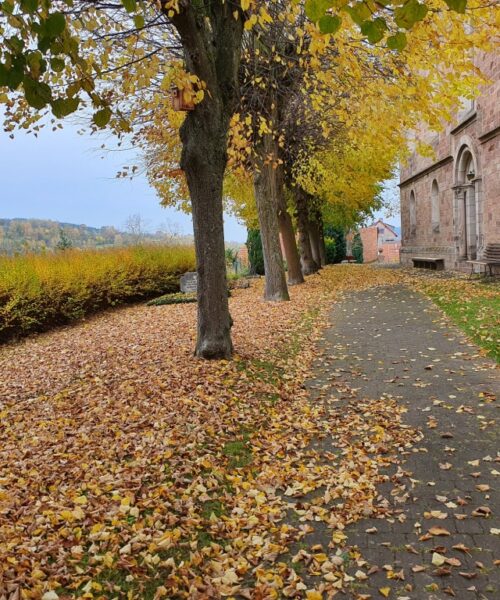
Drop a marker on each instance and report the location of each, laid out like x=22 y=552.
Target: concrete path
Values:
x=391 y=340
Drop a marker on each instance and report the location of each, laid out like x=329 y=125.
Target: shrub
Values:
x=38 y=291
x=335 y=244
x=255 y=252
x=357 y=248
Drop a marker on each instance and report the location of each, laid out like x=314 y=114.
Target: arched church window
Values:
x=435 y=206
x=413 y=214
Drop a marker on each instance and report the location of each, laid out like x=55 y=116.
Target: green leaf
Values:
x=315 y=9
x=37 y=93
x=374 y=30
x=54 y=25
x=329 y=24
x=29 y=6
x=15 y=44
x=73 y=89
x=57 y=64
x=62 y=107
x=15 y=75
x=130 y=5
x=139 y=21
x=101 y=117
x=4 y=75
x=397 y=41
x=408 y=14
x=458 y=6
x=359 y=12
x=7 y=7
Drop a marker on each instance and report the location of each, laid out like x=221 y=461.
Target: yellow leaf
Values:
x=385 y=591
x=67 y=515
x=314 y=595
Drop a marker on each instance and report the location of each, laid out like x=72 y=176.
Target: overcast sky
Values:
x=65 y=176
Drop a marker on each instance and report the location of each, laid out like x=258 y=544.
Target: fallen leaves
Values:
x=438 y=531
x=126 y=463
x=438 y=559
x=129 y=464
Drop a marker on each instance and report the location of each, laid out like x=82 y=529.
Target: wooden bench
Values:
x=428 y=262
x=491 y=258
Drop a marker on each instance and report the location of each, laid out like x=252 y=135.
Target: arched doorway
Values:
x=467 y=223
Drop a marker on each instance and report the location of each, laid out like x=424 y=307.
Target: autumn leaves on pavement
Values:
x=130 y=469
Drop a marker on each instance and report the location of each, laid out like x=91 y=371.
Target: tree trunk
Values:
x=211 y=40
x=322 y=246
x=306 y=257
x=204 y=165
x=314 y=237
x=295 y=275
x=265 y=198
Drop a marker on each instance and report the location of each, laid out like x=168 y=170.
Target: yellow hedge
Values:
x=38 y=291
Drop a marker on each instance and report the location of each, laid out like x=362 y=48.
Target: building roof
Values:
x=380 y=222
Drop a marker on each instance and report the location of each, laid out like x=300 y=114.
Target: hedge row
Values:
x=38 y=291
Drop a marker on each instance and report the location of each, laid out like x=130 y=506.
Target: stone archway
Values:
x=468 y=220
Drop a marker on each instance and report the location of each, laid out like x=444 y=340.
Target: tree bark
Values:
x=295 y=275
x=306 y=258
x=211 y=40
x=204 y=166
x=314 y=237
x=322 y=248
x=265 y=198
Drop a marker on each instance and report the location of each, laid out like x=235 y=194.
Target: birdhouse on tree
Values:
x=179 y=102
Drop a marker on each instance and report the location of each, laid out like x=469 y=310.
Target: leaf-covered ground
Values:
x=129 y=469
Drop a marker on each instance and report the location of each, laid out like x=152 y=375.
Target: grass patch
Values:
x=213 y=507
x=177 y=298
x=239 y=453
x=474 y=306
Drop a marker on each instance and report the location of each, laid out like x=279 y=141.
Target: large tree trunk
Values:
x=308 y=264
x=204 y=164
x=211 y=39
x=265 y=198
x=295 y=275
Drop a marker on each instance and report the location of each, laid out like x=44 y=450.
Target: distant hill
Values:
x=35 y=235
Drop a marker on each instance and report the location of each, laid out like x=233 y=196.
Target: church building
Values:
x=450 y=205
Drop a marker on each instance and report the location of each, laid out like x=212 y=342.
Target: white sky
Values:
x=65 y=176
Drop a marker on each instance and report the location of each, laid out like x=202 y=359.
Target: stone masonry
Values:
x=450 y=205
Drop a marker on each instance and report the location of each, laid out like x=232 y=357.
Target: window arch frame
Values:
x=435 y=206
x=413 y=213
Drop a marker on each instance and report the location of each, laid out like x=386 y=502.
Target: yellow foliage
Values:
x=41 y=290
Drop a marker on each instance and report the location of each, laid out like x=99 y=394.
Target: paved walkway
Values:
x=392 y=341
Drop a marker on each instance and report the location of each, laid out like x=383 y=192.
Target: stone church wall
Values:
x=462 y=181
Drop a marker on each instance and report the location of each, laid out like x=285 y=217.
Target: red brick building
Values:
x=450 y=205
x=381 y=243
